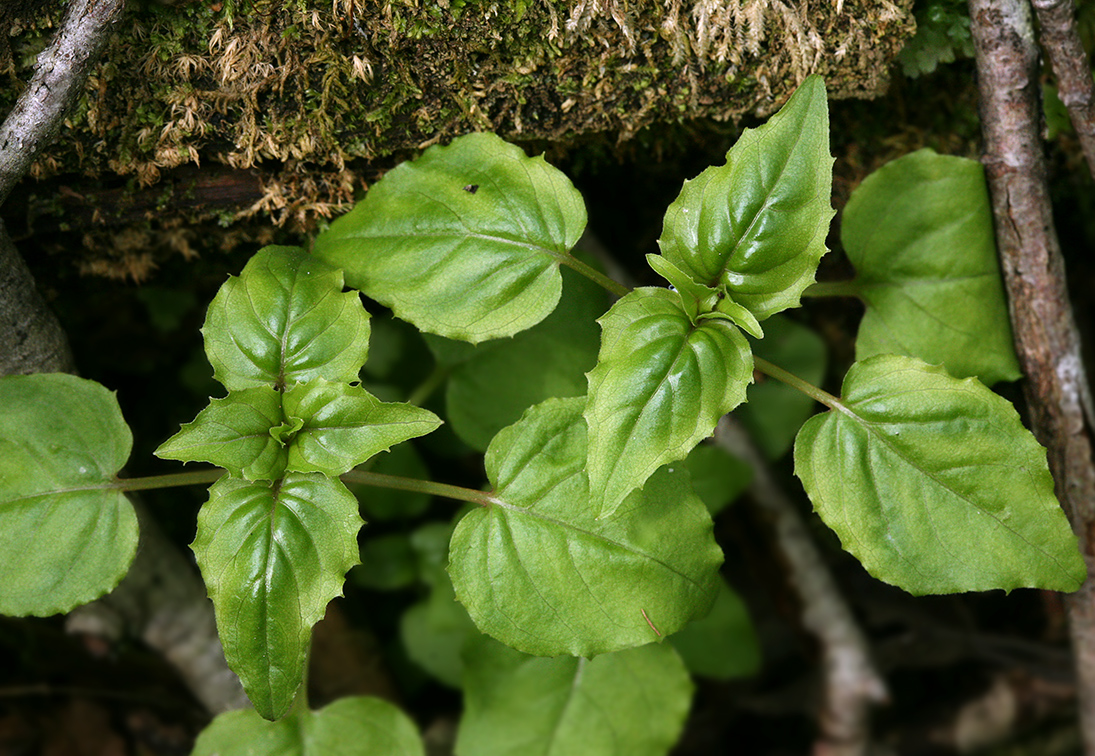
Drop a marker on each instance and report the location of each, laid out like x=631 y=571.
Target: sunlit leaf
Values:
x=464 y=242
x=934 y=484
x=239 y=433
x=919 y=233
x=660 y=385
x=344 y=425
x=630 y=703
x=284 y=320
x=758 y=223
x=65 y=537
x=272 y=556
x=348 y=727
x=541 y=573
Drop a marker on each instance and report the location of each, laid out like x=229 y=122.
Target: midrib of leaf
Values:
x=568 y=526
x=572 y=696
x=768 y=195
x=871 y=428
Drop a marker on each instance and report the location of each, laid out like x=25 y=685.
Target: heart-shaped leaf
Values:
x=934 y=484
x=348 y=727
x=630 y=703
x=758 y=223
x=285 y=320
x=272 y=556
x=538 y=571
x=919 y=233
x=464 y=242
x=659 y=387
x=66 y=536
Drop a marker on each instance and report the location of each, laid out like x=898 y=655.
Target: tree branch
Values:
x=58 y=81
x=851 y=682
x=1046 y=338
x=1061 y=43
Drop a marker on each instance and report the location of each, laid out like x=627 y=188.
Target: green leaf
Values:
x=345 y=425
x=723 y=645
x=539 y=572
x=934 y=485
x=273 y=555
x=387 y=563
x=775 y=411
x=285 y=320
x=239 y=433
x=718 y=477
x=695 y=297
x=348 y=727
x=65 y=537
x=434 y=632
x=660 y=386
x=758 y=223
x=464 y=242
x=631 y=703
x=919 y=233
x=503 y=378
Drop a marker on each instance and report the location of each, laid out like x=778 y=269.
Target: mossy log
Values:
x=286 y=104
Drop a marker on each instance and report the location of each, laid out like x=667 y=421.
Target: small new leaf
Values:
x=934 y=484
x=469 y=265
x=245 y=433
x=272 y=556
x=345 y=425
x=539 y=572
x=758 y=223
x=659 y=387
x=285 y=320
x=66 y=537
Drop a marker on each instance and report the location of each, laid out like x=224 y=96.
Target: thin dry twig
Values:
x=58 y=80
x=1061 y=44
x=852 y=684
x=1046 y=337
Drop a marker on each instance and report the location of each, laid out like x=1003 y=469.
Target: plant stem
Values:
x=596 y=276
x=847 y=288
x=795 y=382
x=433 y=381
x=482 y=498
x=196 y=478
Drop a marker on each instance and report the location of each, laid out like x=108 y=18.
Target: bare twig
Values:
x=1061 y=43
x=851 y=682
x=58 y=80
x=1045 y=331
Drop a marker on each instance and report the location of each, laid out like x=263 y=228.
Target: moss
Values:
x=300 y=89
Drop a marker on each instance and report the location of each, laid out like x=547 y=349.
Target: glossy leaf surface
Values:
x=630 y=703
x=65 y=539
x=348 y=727
x=345 y=425
x=758 y=223
x=285 y=320
x=723 y=645
x=919 y=233
x=464 y=242
x=272 y=556
x=238 y=433
x=659 y=387
x=541 y=573
x=934 y=485
x=494 y=385
x=774 y=411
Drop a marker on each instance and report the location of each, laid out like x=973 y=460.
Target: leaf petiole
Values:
x=596 y=276
x=766 y=367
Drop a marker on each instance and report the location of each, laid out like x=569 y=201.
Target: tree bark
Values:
x=1046 y=337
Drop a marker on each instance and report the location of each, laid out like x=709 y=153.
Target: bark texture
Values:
x=851 y=684
x=1046 y=337
x=1061 y=43
x=58 y=81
